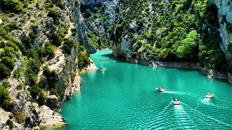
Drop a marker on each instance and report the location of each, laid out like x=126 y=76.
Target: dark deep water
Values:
x=122 y=96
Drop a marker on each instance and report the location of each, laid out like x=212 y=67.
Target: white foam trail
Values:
x=207 y=101
x=165 y=108
x=159 y=121
x=177 y=93
x=209 y=117
x=182 y=117
x=170 y=92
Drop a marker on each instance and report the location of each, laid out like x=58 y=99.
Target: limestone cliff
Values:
x=225 y=29
x=43 y=47
x=196 y=31
x=78 y=19
x=224 y=9
x=44 y=44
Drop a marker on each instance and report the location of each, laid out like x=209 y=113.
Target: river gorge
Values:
x=120 y=95
x=168 y=64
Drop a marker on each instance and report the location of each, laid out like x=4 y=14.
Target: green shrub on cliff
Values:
x=45 y=53
x=38 y=94
x=55 y=13
x=187 y=45
x=51 y=78
x=83 y=57
x=5 y=99
x=9 y=62
x=34 y=91
x=68 y=45
x=10 y=124
x=11 y=5
x=32 y=70
x=55 y=39
x=4 y=71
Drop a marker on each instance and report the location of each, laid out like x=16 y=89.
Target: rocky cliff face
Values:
x=225 y=29
x=78 y=19
x=45 y=43
x=100 y=20
x=44 y=46
x=225 y=20
x=177 y=30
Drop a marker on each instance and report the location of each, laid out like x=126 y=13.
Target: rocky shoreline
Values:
x=60 y=122
x=39 y=117
x=53 y=119
x=210 y=73
x=90 y=67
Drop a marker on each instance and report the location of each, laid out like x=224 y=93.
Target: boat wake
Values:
x=184 y=117
x=219 y=104
x=199 y=116
x=177 y=93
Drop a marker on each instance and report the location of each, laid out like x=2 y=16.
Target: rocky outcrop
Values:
x=46 y=71
x=90 y=67
x=225 y=20
x=214 y=74
x=80 y=27
x=8 y=122
x=123 y=49
x=41 y=117
x=230 y=78
x=49 y=118
x=4 y=117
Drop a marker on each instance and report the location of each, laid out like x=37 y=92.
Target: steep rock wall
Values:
x=225 y=20
x=173 y=31
x=225 y=29
x=44 y=44
x=78 y=19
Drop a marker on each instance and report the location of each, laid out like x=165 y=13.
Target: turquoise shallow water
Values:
x=122 y=96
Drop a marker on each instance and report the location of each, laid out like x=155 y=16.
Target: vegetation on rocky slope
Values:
x=39 y=53
x=176 y=30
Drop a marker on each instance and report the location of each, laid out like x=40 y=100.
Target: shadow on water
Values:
x=118 y=59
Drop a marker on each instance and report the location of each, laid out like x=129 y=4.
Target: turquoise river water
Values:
x=121 y=95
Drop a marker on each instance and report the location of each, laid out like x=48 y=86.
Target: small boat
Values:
x=160 y=90
x=209 y=95
x=175 y=101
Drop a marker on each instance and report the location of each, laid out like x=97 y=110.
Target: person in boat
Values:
x=160 y=89
x=209 y=95
x=175 y=101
